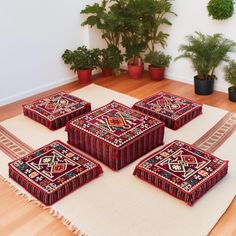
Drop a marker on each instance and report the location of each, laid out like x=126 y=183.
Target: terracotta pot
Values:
x=135 y=71
x=107 y=72
x=156 y=73
x=84 y=76
x=203 y=87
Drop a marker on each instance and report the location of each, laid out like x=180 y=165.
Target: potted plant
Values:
x=206 y=52
x=230 y=76
x=220 y=10
x=141 y=29
x=158 y=62
x=133 y=17
x=132 y=56
x=109 y=59
x=82 y=61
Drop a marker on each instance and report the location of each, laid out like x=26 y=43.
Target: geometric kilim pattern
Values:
x=115 y=123
x=12 y=146
x=218 y=134
x=53 y=171
x=182 y=170
x=175 y=111
x=56 y=110
x=55 y=106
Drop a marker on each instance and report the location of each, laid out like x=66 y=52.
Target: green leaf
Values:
x=206 y=52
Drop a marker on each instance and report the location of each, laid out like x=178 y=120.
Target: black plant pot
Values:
x=203 y=87
x=232 y=93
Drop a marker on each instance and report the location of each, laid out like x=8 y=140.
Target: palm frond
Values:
x=206 y=52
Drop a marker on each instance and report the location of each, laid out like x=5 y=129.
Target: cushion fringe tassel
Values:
x=191 y=197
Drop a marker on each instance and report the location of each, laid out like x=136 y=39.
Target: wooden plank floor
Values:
x=20 y=218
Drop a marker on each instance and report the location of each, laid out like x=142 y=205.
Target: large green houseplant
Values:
x=110 y=59
x=142 y=21
x=101 y=17
x=133 y=16
x=83 y=61
x=135 y=24
x=158 y=62
x=206 y=52
x=158 y=17
x=230 y=77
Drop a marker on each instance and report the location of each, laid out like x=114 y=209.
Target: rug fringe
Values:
x=69 y=225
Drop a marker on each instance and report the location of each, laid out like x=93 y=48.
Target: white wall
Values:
x=192 y=15
x=33 y=36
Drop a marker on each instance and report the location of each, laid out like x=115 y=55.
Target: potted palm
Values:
x=158 y=62
x=109 y=60
x=82 y=61
x=230 y=77
x=206 y=52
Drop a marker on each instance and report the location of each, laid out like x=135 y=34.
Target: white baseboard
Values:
x=217 y=87
x=183 y=79
x=34 y=91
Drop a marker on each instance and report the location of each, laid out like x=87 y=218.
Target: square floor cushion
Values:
x=182 y=170
x=55 y=110
x=115 y=134
x=175 y=111
x=53 y=171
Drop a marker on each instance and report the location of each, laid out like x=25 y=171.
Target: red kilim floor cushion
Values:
x=115 y=134
x=182 y=170
x=175 y=111
x=54 y=111
x=53 y=171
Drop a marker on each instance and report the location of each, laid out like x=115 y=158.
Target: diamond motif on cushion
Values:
x=115 y=134
x=49 y=173
x=115 y=122
x=186 y=172
x=54 y=111
x=175 y=111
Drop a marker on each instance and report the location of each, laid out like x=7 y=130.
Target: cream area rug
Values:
x=118 y=203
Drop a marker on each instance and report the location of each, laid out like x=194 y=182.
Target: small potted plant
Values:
x=158 y=62
x=206 y=52
x=230 y=76
x=82 y=61
x=110 y=59
x=134 y=59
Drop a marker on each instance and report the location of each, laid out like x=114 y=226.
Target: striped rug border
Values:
x=13 y=146
x=218 y=134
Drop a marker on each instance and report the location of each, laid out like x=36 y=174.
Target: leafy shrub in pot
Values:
x=110 y=58
x=206 y=52
x=230 y=77
x=158 y=62
x=83 y=61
